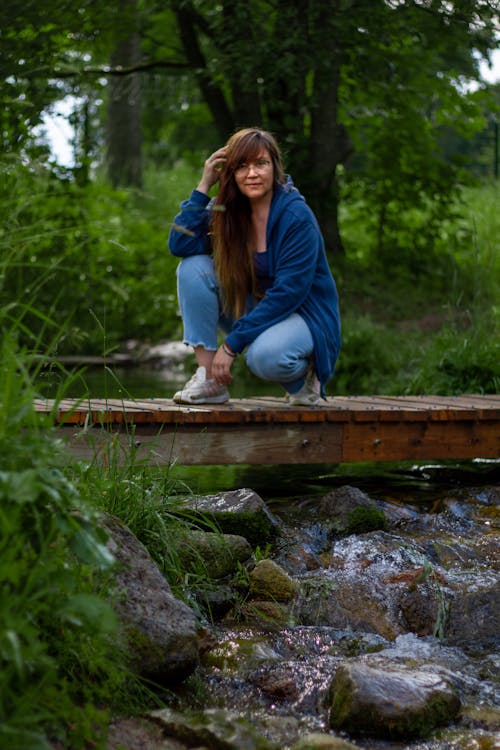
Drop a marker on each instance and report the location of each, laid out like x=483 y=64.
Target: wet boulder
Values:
x=269 y=581
x=217 y=555
x=336 y=599
x=161 y=631
x=390 y=701
x=349 y=510
x=213 y=728
x=474 y=611
x=241 y=512
x=320 y=741
x=376 y=583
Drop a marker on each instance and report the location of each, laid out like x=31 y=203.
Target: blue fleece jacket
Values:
x=302 y=280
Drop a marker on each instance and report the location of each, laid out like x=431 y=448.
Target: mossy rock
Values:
x=215 y=556
x=390 y=702
x=241 y=512
x=212 y=728
x=348 y=510
x=365 y=518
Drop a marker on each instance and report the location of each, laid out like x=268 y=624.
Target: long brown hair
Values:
x=231 y=218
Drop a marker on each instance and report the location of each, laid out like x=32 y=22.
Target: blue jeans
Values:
x=281 y=354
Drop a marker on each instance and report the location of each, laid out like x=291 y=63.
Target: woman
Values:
x=254 y=265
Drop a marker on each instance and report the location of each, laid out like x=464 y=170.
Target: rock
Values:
x=351 y=511
x=214 y=728
x=263 y=614
x=392 y=702
x=375 y=583
x=268 y=581
x=161 y=631
x=216 y=555
x=420 y=612
x=138 y=734
x=474 y=612
x=217 y=601
x=318 y=741
x=338 y=601
x=276 y=681
x=241 y=512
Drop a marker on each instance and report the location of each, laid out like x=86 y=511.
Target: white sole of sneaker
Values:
x=213 y=400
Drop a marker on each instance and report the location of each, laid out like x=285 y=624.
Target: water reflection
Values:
x=142 y=382
x=402 y=481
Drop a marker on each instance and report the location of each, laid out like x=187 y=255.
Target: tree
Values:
x=320 y=74
x=377 y=76
x=124 y=136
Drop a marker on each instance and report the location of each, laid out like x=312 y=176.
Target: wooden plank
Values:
x=257 y=444
x=249 y=410
x=393 y=441
x=269 y=430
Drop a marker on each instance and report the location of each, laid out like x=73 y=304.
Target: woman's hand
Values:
x=221 y=367
x=211 y=170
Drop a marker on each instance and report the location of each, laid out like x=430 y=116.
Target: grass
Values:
x=62 y=665
x=150 y=503
x=435 y=331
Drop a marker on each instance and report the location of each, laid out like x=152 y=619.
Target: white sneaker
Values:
x=309 y=394
x=199 y=390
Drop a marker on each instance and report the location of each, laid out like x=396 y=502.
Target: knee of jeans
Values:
x=195 y=267
x=261 y=359
x=277 y=367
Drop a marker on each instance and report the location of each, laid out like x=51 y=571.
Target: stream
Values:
x=440 y=515
x=419 y=592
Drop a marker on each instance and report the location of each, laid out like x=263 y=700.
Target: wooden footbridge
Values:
x=269 y=431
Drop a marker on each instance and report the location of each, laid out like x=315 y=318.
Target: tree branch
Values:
x=106 y=71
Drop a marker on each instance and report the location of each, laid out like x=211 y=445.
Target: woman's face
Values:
x=255 y=178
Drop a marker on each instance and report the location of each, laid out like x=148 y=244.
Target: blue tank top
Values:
x=261 y=265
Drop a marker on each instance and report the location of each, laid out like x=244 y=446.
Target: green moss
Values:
x=365 y=518
x=257 y=528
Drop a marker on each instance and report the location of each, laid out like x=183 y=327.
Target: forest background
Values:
x=389 y=131
x=387 y=128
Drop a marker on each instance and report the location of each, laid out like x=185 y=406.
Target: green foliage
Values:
x=61 y=666
x=83 y=268
x=428 y=326
x=90 y=256
x=460 y=362
x=371 y=359
x=150 y=503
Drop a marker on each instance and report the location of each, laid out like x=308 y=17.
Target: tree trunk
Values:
x=238 y=32
x=124 y=132
x=213 y=95
x=329 y=146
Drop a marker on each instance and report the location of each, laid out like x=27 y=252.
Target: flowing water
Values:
x=444 y=513
x=447 y=512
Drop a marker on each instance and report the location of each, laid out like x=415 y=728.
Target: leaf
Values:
x=87 y=547
x=20 y=486
x=16 y=655
x=84 y=610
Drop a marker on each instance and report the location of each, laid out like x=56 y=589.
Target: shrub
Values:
x=60 y=668
x=460 y=362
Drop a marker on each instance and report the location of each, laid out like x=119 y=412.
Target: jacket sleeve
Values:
x=189 y=232
x=296 y=259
